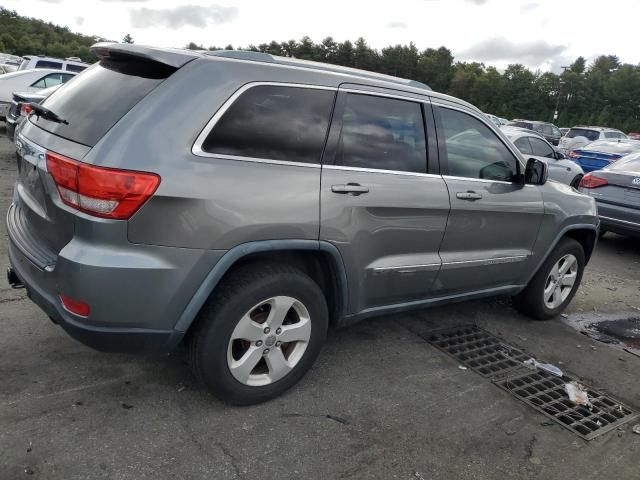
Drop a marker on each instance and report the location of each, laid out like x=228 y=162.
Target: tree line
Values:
x=604 y=92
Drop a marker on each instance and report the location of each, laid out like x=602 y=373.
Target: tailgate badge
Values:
x=636 y=181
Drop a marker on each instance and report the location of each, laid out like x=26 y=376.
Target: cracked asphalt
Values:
x=380 y=402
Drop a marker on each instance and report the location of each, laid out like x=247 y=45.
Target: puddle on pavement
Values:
x=620 y=330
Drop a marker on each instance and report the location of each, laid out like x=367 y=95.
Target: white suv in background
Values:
x=578 y=137
x=71 y=64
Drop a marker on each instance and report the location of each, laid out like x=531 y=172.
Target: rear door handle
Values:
x=469 y=195
x=350 y=189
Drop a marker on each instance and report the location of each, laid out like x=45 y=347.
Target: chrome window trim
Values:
x=484 y=261
x=381 y=170
x=515 y=152
x=483 y=180
x=618 y=220
x=197 y=150
x=425 y=267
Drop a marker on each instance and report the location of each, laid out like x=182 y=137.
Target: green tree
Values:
x=127 y=38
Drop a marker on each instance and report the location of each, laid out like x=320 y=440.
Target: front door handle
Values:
x=350 y=188
x=469 y=195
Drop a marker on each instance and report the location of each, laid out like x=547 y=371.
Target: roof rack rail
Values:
x=294 y=62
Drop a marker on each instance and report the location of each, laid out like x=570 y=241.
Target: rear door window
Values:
x=98 y=98
x=541 y=148
x=473 y=150
x=382 y=133
x=591 y=135
x=274 y=122
x=48 y=64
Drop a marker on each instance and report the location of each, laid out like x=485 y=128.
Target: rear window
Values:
x=94 y=101
x=583 y=132
x=48 y=64
x=526 y=125
x=630 y=163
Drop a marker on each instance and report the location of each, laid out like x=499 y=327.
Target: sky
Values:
x=541 y=34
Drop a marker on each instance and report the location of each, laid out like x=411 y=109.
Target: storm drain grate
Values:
x=478 y=350
x=503 y=364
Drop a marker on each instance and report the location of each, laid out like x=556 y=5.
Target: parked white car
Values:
x=28 y=81
x=578 y=137
x=532 y=145
x=71 y=64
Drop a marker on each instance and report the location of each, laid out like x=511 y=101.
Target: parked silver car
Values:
x=561 y=169
x=616 y=189
x=243 y=203
x=579 y=137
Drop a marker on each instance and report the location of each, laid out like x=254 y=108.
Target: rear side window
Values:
x=583 y=132
x=541 y=148
x=75 y=68
x=274 y=122
x=523 y=145
x=526 y=125
x=382 y=133
x=98 y=98
x=49 y=80
x=48 y=64
x=614 y=135
x=473 y=150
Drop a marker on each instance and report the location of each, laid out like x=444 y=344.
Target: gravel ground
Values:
x=379 y=403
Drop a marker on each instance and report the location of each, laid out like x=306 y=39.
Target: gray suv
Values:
x=241 y=204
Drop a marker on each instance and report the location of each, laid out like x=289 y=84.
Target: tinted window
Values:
x=541 y=148
x=474 y=150
x=98 y=98
x=383 y=133
x=614 y=135
x=274 y=122
x=48 y=64
x=545 y=129
x=555 y=131
x=583 y=132
x=75 y=68
x=523 y=145
x=526 y=125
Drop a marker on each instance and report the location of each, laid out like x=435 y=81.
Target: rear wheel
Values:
x=575 y=183
x=259 y=333
x=555 y=284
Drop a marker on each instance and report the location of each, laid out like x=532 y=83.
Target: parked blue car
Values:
x=602 y=153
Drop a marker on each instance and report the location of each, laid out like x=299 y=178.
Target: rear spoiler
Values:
x=172 y=57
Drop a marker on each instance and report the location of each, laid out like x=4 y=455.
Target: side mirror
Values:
x=560 y=155
x=536 y=172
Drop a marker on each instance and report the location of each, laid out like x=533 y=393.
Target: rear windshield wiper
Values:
x=47 y=114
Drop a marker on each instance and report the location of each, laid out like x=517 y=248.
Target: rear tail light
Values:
x=99 y=191
x=591 y=181
x=25 y=109
x=74 y=306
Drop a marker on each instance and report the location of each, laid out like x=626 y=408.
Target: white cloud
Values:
x=178 y=17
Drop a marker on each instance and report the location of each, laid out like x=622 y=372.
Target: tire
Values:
x=575 y=183
x=240 y=307
x=532 y=301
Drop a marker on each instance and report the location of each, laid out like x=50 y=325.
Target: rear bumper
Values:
x=617 y=219
x=101 y=338
x=136 y=293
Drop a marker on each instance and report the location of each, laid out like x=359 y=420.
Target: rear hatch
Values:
x=39 y=222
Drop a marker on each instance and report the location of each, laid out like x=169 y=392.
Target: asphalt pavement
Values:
x=380 y=403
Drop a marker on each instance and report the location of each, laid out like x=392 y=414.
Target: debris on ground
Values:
x=462 y=367
x=126 y=406
x=533 y=364
x=418 y=476
x=577 y=394
x=564 y=315
x=636 y=429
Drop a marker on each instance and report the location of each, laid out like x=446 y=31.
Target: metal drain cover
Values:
x=503 y=364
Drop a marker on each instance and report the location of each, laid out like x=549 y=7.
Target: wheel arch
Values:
x=586 y=234
x=320 y=260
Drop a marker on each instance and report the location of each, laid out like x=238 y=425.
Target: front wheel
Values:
x=259 y=333
x=555 y=284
